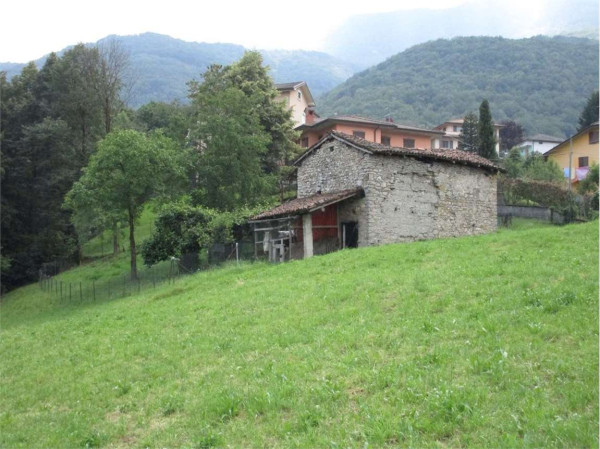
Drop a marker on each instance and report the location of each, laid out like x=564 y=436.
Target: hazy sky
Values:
x=30 y=29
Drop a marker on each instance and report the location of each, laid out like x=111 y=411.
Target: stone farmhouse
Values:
x=353 y=192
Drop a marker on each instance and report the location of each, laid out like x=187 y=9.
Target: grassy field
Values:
x=487 y=341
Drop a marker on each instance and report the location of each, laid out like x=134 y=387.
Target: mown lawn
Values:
x=487 y=341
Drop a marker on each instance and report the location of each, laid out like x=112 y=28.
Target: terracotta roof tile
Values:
x=306 y=204
x=452 y=156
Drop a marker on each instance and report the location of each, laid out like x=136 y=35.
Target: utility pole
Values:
x=570 y=162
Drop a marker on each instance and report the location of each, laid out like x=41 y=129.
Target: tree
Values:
x=511 y=134
x=487 y=142
x=231 y=143
x=590 y=112
x=128 y=169
x=469 y=136
x=249 y=76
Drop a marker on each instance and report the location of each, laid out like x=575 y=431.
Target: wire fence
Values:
x=63 y=291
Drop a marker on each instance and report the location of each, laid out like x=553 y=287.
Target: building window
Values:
x=299 y=95
x=593 y=135
x=584 y=162
x=305 y=142
x=360 y=134
x=385 y=140
x=455 y=129
x=448 y=144
x=409 y=143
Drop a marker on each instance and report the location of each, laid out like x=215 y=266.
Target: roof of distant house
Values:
x=299 y=206
x=542 y=138
x=460 y=121
x=289 y=86
x=355 y=119
x=451 y=156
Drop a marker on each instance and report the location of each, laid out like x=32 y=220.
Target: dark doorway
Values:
x=350 y=234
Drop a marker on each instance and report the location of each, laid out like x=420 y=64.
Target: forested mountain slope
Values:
x=369 y=39
x=541 y=82
x=161 y=66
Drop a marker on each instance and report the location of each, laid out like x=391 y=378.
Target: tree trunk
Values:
x=115 y=238
x=132 y=246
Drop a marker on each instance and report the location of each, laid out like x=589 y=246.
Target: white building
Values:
x=540 y=143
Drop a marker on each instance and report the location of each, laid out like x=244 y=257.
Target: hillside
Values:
x=405 y=28
x=542 y=83
x=161 y=66
x=488 y=341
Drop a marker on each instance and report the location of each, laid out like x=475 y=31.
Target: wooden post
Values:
x=308 y=235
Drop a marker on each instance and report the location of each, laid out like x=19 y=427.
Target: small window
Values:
x=385 y=140
x=305 y=142
x=448 y=144
x=299 y=95
x=409 y=143
x=455 y=129
x=360 y=134
x=584 y=162
x=593 y=135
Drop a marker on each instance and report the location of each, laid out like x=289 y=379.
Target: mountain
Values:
x=541 y=82
x=162 y=66
x=369 y=39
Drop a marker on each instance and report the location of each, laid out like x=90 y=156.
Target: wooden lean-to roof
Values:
x=300 y=206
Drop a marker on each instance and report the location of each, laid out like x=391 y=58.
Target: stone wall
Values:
x=405 y=199
x=330 y=168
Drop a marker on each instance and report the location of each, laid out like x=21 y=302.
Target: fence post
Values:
x=70 y=292
x=237 y=253
x=80 y=293
x=61 y=291
x=94 y=290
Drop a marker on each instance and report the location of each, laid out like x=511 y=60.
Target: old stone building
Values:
x=353 y=192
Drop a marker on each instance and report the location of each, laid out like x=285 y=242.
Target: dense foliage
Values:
x=242 y=136
x=468 y=139
x=532 y=167
x=51 y=120
x=590 y=112
x=182 y=228
x=485 y=132
x=541 y=83
x=511 y=134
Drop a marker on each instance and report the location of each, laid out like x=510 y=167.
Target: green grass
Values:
x=488 y=341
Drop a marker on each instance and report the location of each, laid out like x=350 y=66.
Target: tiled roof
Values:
x=307 y=204
x=288 y=86
x=452 y=156
x=366 y=121
x=543 y=138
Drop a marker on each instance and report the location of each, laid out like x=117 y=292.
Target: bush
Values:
x=181 y=228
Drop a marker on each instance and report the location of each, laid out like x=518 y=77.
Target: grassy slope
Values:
x=488 y=341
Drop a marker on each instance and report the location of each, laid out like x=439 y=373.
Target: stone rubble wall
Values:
x=406 y=199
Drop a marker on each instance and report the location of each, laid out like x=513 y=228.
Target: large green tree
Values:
x=128 y=169
x=250 y=77
x=231 y=144
x=590 y=112
x=487 y=142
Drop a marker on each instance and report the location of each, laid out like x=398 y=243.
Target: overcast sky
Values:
x=31 y=29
